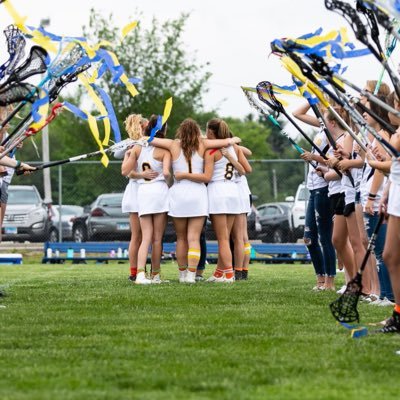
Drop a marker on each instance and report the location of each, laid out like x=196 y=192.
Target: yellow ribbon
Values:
x=127 y=28
x=167 y=110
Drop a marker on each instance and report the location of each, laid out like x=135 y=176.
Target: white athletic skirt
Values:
x=224 y=198
x=129 y=199
x=244 y=193
x=188 y=199
x=152 y=198
x=394 y=200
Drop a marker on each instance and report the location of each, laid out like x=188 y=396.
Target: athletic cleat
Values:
x=199 y=278
x=156 y=279
x=245 y=275
x=392 y=324
x=238 y=275
x=141 y=279
x=190 y=277
x=216 y=279
x=229 y=280
x=386 y=302
x=182 y=276
x=132 y=278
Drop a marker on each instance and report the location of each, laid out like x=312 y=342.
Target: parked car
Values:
x=276 y=222
x=299 y=210
x=27 y=217
x=104 y=220
x=68 y=213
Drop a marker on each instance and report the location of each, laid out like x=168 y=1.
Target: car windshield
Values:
x=70 y=210
x=111 y=201
x=16 y=196
x=304 y=194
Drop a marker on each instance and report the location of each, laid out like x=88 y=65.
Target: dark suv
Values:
x=27 y=217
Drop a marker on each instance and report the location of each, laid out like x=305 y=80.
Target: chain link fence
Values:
x=272 y=182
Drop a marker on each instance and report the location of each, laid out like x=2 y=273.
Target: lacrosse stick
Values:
x=351 y=16
x=54 y=87
x=276 y=105
x=344 y=309
x=61 y=65
x=271 y=118
x=15 y=47
x=33 y=65
x=124 y=144
x=32 y=131
x=308 y=73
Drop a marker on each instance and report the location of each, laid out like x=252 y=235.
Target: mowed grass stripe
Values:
x=84 y=331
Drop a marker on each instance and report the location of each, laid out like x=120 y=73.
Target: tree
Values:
x=157 y=56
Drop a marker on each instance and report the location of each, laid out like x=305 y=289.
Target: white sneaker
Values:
x=190 y=277
x=229 y=280
x=141 y=279
x=213 y=278
x=386 y=303
x=341 y=290
x=182 y=276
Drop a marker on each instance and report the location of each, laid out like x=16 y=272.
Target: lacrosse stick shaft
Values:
x=21 y=125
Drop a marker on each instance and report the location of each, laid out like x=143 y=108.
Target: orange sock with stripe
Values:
x=229 y=272
x=218 y=273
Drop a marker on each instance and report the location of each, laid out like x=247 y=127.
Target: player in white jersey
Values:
x=340 y=236
x=188 y=199
x=390 y=204
x=240 y=239
x=152 y=198
x=318 y=220
x=134 y=125
x=223 y=195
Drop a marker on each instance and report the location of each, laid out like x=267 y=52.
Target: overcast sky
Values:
x=233 y=36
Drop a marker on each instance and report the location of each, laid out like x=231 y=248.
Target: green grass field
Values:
x=84 y=332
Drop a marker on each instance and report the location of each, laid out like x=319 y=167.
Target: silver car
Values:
x=66 y=217
x=27 y=216
x=106 y=220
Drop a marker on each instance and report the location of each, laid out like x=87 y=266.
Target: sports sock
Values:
x=182 y=268
x=229 y=272
x=397 y=308
x=133 y=271
x=218 y=273
x=155 y=271
x=193 y=258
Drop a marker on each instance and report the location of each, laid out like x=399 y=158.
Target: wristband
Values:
x=18 y=164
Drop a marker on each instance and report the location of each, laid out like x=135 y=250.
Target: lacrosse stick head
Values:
x=320 y=65
x=344 y=309
x=67 y=60
x=16 y=92
x=15 y=46
x=55 y=85
x=351 y=16
x=36 y=63
x=265 y=87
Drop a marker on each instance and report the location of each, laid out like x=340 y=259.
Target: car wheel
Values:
x=79 y=234
x=53 y=236
x=277 y=237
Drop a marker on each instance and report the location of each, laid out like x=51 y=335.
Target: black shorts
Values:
x=349 y=209
x=337 y=203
